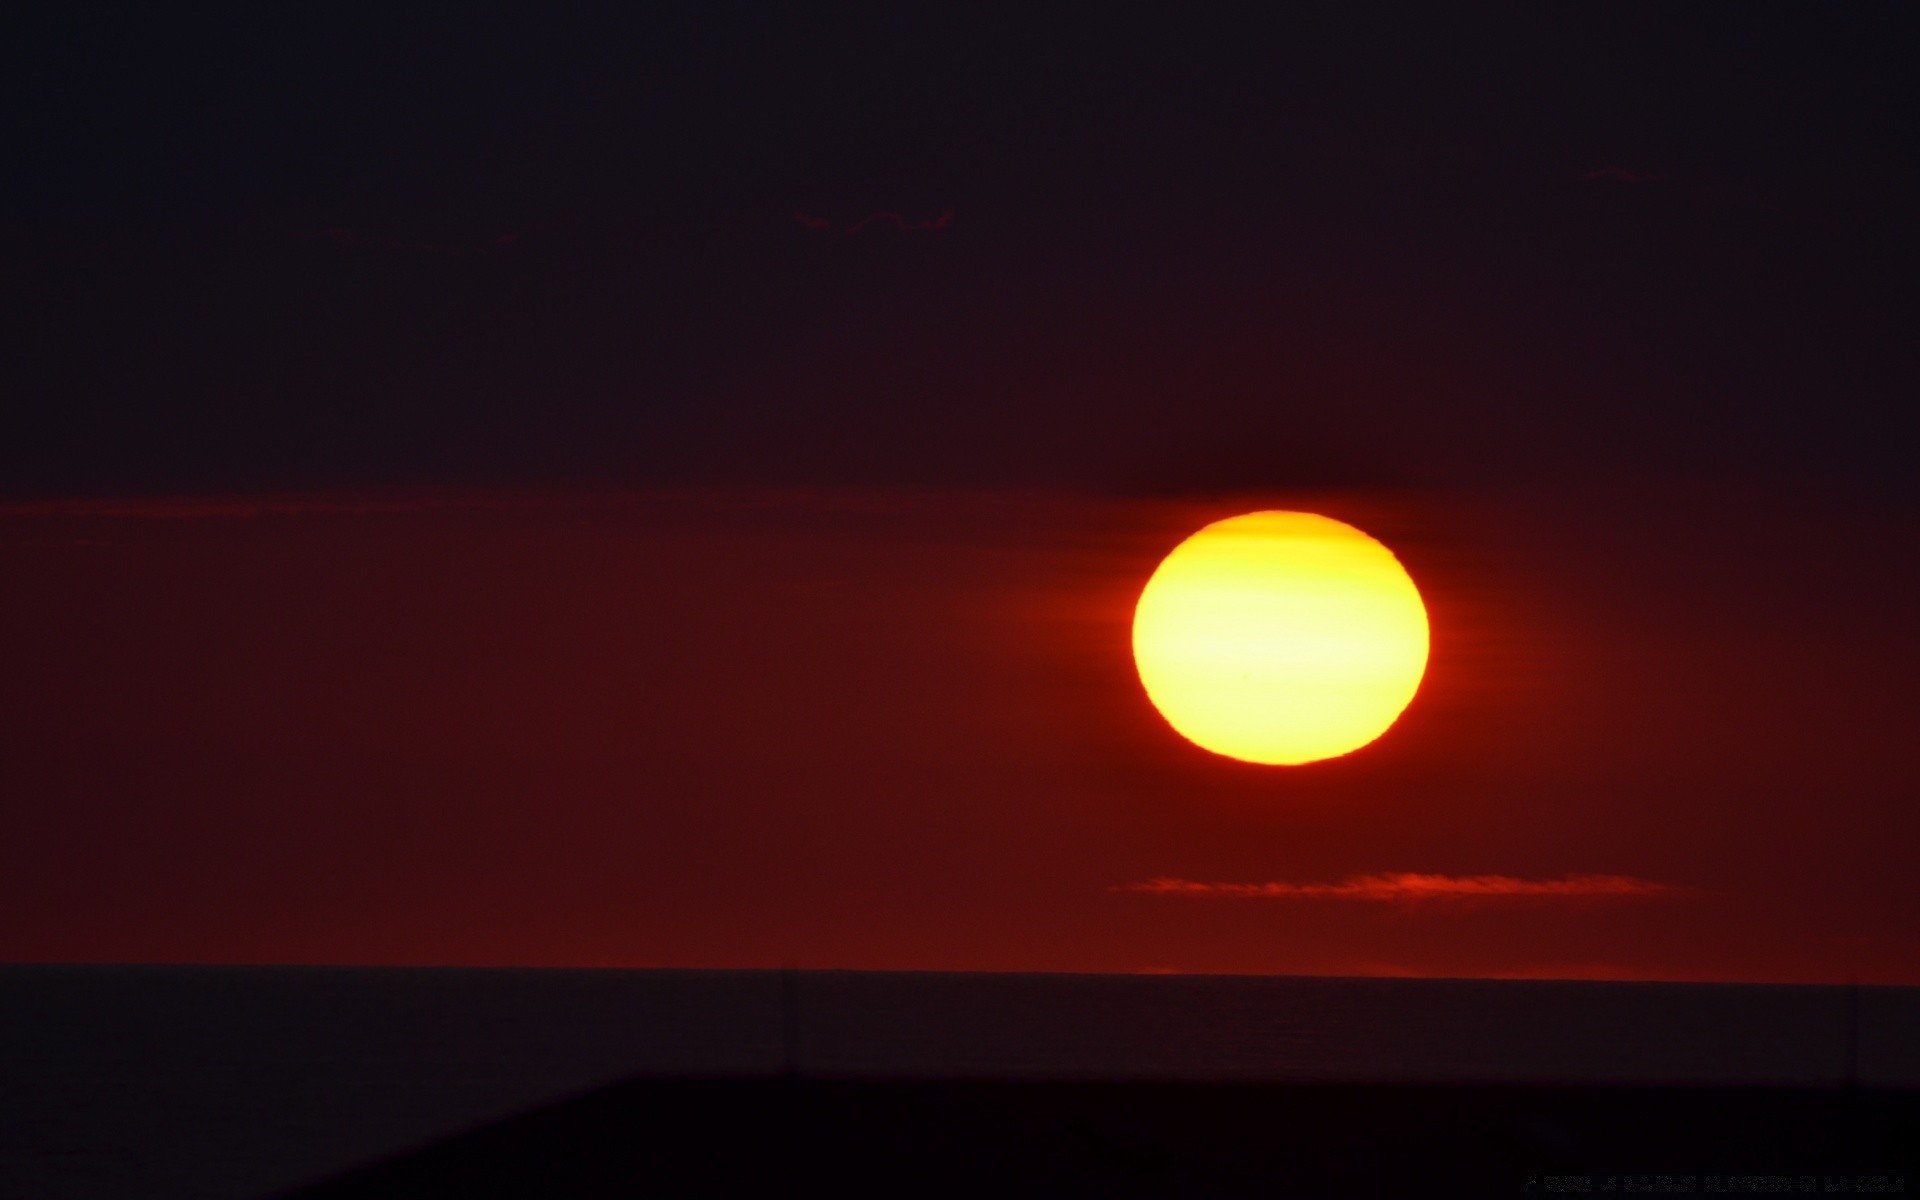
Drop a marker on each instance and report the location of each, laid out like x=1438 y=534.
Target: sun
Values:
x=1280 y=638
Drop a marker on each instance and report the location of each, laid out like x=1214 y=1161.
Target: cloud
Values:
x=1411 y=887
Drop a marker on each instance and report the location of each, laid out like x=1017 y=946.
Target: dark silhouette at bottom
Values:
x=756 y=1136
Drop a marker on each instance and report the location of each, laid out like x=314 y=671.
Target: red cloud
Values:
x=1408 y=886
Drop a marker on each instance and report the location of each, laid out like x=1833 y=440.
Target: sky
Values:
x=669 y=488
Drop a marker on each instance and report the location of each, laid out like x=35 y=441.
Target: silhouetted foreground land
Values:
x=762 y=1136
x=231 y=1083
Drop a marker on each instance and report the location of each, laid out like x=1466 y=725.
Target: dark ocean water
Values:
x=219 y=1082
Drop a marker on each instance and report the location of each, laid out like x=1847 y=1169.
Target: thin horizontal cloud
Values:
x=1409 y=887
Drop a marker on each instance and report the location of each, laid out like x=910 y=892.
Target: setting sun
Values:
x=1280 y=638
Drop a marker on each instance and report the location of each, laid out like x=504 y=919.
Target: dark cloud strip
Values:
x=1410 y=887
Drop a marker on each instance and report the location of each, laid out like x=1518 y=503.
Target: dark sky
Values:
x=667 y=485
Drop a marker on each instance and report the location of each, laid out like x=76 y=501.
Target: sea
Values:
x=223 y=1082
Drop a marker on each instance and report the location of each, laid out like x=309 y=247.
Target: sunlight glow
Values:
x=1280 y=638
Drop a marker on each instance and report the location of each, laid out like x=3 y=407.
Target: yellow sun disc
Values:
x=1280 y=637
